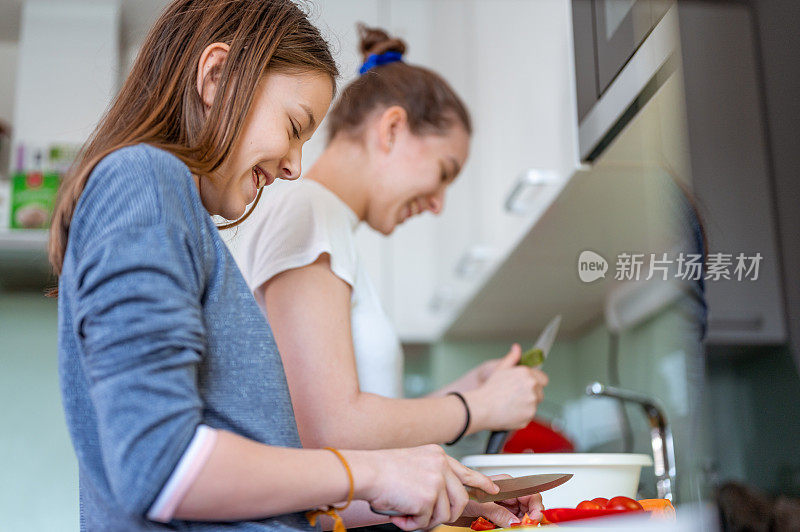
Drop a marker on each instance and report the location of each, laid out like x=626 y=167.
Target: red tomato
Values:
x=482 y=524
x=602 y=501
x=589 y=505
x=623 y=503
x=527 y=521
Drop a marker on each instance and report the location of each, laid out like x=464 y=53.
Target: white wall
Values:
x=68 y=68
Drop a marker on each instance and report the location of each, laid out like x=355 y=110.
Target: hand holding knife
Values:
x=533 y=358
x=510 y=488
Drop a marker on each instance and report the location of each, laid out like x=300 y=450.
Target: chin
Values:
x=234 y=212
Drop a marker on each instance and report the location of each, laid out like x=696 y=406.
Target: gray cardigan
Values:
x=158 y=333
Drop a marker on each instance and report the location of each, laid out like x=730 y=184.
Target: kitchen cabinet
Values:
x=730 y=170
x=622 y=47
x=66 y=74
x=511 y=62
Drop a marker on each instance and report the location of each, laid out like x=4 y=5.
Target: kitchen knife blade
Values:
x=510 y=488
x=533 y=358
x=548 y=337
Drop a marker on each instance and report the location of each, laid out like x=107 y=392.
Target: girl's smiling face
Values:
x=415 y=171
x=286 y=110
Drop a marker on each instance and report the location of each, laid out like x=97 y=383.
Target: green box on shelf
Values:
x=33 y=196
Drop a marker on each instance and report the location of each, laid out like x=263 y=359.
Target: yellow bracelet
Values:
x=338 y=524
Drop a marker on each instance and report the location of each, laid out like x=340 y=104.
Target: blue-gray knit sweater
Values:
x=158 y=333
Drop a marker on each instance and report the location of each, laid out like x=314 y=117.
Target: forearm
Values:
x=243 y=479
x=371 y=421
x=465 y=382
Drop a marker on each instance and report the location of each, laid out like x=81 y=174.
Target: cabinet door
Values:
x=524 y=111
x=438 y=37
x=730 y=171
x=620 y=27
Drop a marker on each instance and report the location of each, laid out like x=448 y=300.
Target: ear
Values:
x=208 y=70
x=392 y=121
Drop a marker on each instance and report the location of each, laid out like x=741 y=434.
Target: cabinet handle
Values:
x=473 y=261
x=523 y=195
x=443 y=298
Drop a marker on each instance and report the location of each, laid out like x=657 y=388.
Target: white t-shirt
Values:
x=293 y=224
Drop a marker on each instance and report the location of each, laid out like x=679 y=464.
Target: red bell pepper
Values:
x=482 y=524
x=560 y=515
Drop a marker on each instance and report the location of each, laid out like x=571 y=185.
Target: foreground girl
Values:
x=173 y=388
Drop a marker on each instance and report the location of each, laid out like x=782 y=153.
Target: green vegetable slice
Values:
x=532 y=357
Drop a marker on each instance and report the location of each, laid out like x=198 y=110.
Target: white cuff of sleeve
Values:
x=184 y=474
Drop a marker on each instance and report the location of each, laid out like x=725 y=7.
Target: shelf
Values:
x=23 y=240
x=23 y=260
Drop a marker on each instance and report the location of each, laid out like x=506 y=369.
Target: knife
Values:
x=533 y=357
x=510 y=488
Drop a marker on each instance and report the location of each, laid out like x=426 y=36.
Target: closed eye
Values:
x=295 y=131
x=445 y=177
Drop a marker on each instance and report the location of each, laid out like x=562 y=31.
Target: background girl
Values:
x=398 y=137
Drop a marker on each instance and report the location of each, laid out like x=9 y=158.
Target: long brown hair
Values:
x=431 y=104
x=159 y=103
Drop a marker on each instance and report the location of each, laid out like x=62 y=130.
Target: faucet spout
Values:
x=660 y=433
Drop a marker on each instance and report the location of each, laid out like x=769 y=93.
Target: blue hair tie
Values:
x=380 y=59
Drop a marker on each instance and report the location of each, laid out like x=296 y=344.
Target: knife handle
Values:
x=496 y=441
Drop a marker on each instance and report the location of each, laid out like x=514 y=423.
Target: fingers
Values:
x=512 y=505
x=409 y=523
x=540 y=377
x=511 y=359
x=457 y=495
x=495 y=513
x=468 y=477
x=530 y=504
x=441 y=510
x=540 y=380
x=533 y=503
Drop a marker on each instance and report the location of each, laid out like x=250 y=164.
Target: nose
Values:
x=436 y=202
x=291 y=166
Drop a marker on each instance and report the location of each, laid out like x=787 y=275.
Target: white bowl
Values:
x=595 y=474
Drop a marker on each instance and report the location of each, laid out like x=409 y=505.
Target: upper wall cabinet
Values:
x=511 y=63
x=730 y=167
x=622 y=55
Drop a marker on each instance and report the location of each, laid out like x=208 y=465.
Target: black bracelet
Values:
x=466 y=425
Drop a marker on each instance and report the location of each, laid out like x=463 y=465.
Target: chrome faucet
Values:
x=660 y=433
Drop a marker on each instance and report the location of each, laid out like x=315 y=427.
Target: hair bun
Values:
x=377 y=41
